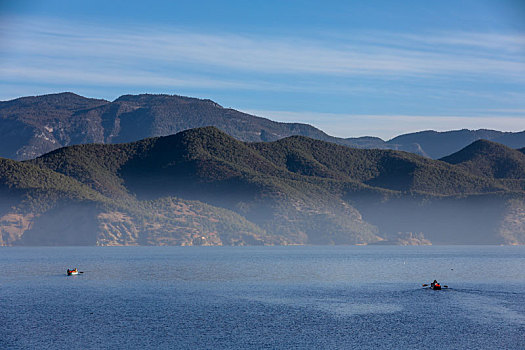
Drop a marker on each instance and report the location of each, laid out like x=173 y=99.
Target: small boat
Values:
x=435 y=285
x=72 y=272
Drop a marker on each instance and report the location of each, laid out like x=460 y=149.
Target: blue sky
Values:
x=351 y=68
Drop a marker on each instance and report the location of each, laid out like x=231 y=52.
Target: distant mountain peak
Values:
x=485 y=145
x=61 y=99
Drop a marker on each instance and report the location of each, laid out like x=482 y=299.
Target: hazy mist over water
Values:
x=262 y=297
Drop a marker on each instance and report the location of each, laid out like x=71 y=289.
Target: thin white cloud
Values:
x=104 y=48
x=460 y=41
x=91 y=77
x=389 y=126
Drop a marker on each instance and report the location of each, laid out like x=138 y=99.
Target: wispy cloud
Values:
x=85 y=48
x=459 y=41
x=118 y=77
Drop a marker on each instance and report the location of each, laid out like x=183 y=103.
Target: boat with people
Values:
x=435 y=285
x=72 y=272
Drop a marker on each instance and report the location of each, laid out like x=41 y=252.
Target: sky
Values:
x=350 y=68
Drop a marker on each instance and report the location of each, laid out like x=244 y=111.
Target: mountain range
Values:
x=32 y=126
x=204 y=187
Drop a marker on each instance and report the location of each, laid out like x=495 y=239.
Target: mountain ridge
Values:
x=35 y=125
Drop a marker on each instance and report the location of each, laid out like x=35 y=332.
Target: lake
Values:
x=297 y=297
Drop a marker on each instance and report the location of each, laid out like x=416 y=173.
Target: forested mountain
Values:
x=202 y=186
x=32 y=126
x=486 y=158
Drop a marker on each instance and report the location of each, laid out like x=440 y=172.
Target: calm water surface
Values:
x=262 y=297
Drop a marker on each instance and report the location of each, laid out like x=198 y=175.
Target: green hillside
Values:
x=39 y=206
x=386 y=169
x=202 y=186
x=490 y=159
x=39 y=187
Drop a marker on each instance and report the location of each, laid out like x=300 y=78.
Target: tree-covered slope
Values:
x=30 y=182
x=39 y=206
x=208 y=165
x=392 y=170
x=202 y=186
x=302 y=190
x=490 y=159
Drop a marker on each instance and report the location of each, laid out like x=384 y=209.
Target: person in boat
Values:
x=433 y=284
